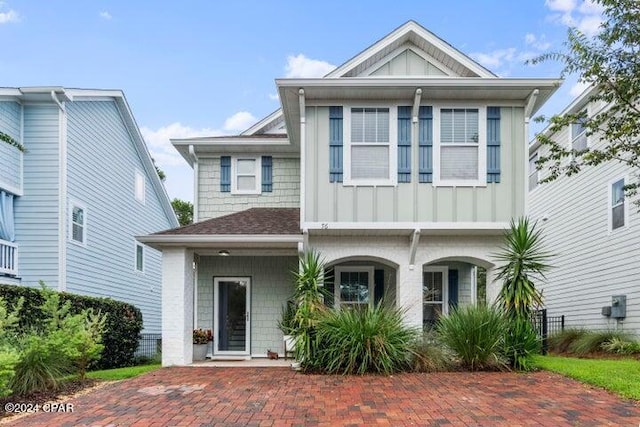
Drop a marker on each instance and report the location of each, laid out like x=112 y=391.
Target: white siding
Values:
x=591 y=263
x=214 y=203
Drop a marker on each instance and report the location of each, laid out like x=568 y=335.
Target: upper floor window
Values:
x=460 y=146
x=246 y=175
x=139 y=257
x=533 y=172
x=370 y=153
x=78 y=220
x=617 y=205
x=140 y=187
x=578 y=136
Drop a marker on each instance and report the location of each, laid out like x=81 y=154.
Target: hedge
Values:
x=122 y=328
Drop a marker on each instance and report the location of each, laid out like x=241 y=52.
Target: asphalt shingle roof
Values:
x=252 y=221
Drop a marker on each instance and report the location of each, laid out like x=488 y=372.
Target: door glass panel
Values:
x=232 y=310
x=354 y=287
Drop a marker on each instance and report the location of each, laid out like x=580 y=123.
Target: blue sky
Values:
x=207 y=67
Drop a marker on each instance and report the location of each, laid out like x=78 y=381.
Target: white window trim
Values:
x=139 y=175
x=445 y=287
x=572 y=138
x=610 y=206
x=536 y=172
x=351 y=269
x=135 y=257
x=75 y=204
x=482 y=147
x=258 y=171
x=393 y=147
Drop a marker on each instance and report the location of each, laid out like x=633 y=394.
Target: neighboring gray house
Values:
x=71 y=204
x=594 y=232
x=402 y=167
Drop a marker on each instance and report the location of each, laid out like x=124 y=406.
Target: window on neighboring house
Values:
x=246 y=175
x=370 y=151
x=354 y=286
x=140 y=187
x=78 y=224
x=533 y=172
x=461 y=146
x=617 y=205
x=578 y=136
x=139 y=257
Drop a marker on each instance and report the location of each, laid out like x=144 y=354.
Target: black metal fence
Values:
x=150 y=345
x=546 y=325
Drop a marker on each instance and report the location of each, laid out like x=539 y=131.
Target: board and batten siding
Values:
x=213 y=203
x=10 y=156
x=414 y=201
x=37 y=212
x=271 y=287
x=102 y=166
x=590 y=263
x=408 y=63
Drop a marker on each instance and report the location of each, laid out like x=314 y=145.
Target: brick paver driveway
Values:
x=280 y=397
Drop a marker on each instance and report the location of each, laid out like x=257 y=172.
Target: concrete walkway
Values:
x=205 y=396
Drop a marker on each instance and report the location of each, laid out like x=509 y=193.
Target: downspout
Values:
x=62 y=193
x=528 y=109
x=303 y=149
x=196 y=169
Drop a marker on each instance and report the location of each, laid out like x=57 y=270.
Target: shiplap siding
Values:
x=591 y=263
x=271 y=286
x=415 y=201
x=102 y=165
x=10 y=156
x=36 y=213
x=285 y=189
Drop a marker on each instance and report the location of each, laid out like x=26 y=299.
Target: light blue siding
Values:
x=36 y=214
x=102 y=165
x=10 y=119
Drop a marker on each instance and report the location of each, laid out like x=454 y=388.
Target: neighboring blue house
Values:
x=72 y=202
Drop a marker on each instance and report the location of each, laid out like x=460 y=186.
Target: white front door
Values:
x=232 y=317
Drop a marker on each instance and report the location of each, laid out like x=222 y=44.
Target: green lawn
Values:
x=121 y=373
x=619 y=376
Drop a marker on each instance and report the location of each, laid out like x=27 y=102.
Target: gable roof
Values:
x=46 y=94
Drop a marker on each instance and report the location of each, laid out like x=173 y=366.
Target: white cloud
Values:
x=301 y=66
x=274 y=96
x=561 y=5
x=239 y=121
x=590 y=25
x=105 y=15
x=496 y=58
x=539 y=43
x=578 y=88
x=8 y=16
x=160 y=146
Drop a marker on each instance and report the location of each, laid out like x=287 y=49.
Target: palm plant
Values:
x=525 y=263
x=309 y=299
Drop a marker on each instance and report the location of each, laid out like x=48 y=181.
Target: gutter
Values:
x=196 y=169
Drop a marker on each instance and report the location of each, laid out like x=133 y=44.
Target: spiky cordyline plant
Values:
x=525 y=262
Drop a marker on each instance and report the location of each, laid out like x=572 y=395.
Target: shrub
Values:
x=428 y=355
x=121 y=330
x=474 y=334
x=619 y=345
x=9 y=356
x=593 y=341
x=561 y=341
x=521 y=343
x=366 y=340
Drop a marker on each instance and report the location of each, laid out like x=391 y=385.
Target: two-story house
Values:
x=402 y=168
x=72 y=202
x=593 y=231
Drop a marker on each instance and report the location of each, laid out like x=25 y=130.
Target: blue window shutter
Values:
x=225 y=174
x=404 y=144
x=267 y=174
x=335 y=144
x=453 y=288
x=493 y=144
x=425 y=143
x=378 y=286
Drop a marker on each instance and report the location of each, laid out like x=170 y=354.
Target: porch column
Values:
x=177 y=306
x=409 y=294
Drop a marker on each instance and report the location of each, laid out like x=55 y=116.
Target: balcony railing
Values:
x=8 y=258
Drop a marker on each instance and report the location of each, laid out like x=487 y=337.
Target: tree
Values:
x=610 y=63
x=183 y=210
